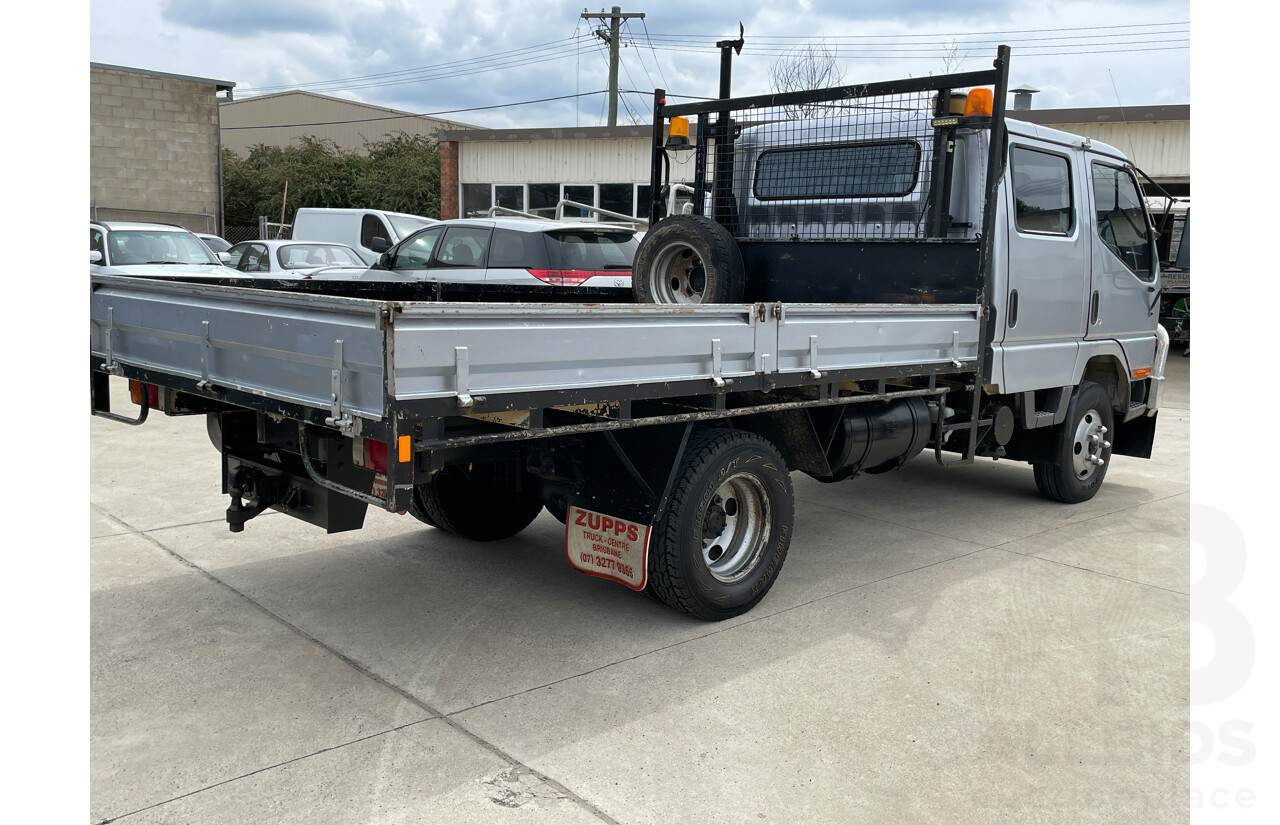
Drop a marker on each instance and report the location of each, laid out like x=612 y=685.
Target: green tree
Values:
x=402 y=174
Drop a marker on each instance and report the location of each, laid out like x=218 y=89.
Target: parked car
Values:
x=121 y=248
x=214 y=243
x=526 y=252
x=357 y=228
x=295 y=259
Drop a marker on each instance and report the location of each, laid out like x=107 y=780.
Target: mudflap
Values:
x=607 y=546
x=1135 y=438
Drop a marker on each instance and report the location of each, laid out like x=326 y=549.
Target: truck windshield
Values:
x=158 y=246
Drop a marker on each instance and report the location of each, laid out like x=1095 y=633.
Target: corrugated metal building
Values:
x=153 y=147
x=532 y=169
x=608 y=167
x=1156 y=138
x=279 y=119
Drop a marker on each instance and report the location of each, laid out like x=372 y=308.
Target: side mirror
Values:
x=95 y=257
x=224 y=258
x=384 y=260
x=379 y=244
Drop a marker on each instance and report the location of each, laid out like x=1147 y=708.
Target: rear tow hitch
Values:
x=263 y=491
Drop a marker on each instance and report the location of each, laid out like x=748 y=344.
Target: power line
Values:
x=655 y=54
x=420 y=114
x=941 y=34
x=450 y=69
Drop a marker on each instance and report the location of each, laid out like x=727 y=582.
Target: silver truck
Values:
x=982 y=289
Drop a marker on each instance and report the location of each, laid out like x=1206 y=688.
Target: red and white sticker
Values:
x=607 y=546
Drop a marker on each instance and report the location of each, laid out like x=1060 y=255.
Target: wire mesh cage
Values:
x=869 y=162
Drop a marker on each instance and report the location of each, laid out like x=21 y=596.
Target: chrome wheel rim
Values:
x=1089 y=446
x=678 y=275
x=735 y=528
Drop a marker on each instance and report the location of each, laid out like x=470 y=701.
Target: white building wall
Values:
x=610 y=160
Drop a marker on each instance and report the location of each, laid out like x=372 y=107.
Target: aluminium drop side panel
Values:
x=277 y=345
x=443 y=350
x=830 y=337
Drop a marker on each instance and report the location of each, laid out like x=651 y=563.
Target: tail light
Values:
x=371 y=454
x=136 y=388
x=576 y=277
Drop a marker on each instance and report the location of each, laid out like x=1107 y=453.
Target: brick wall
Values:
x=153 y=143
x=448 y=179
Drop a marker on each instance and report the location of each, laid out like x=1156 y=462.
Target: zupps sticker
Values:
x=607 y=546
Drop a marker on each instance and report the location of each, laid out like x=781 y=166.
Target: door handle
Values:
x=1013 y=309
x=1093 y=309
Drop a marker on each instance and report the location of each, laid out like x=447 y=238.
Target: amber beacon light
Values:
x=678 y=133
x=979 y=103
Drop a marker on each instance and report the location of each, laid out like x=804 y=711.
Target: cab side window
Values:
x=255 y=259
x=1042 y=192
x=464 y=247
x=1121 y=218
x=371 y=227
x=96 y=243
x=415 y=253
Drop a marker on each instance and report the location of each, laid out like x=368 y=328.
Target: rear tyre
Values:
x=688 y=259
x=1082 y=450
x=721 y=541
x=483 y=502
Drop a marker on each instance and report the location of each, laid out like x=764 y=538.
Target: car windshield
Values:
x=306 y=255
x=216 y=244
x=158 y=246
x=572 y=249
x=406 y=225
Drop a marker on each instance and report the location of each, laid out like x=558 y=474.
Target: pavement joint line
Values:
x=510 y=760
x=727 y=629
x=891 y=523
x=1091 y=570
x=1002 y=546
x=263 y=770
x=998 y=545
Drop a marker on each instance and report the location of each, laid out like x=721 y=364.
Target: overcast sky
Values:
x=451 y=55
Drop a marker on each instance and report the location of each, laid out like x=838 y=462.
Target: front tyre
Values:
x=721 y=541
x=1082 y=450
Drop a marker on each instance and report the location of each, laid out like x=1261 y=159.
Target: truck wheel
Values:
x=688 y=259
x=480 y=503
x=718 y=546
x=1082 y=450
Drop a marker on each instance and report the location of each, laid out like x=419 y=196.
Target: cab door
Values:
x=1048 y=265
x=1124 y=293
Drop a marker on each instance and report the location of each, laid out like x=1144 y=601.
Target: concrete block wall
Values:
x=153 y=143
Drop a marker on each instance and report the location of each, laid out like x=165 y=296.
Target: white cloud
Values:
x=469 y=53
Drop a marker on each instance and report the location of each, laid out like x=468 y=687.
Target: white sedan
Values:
x=295 y=259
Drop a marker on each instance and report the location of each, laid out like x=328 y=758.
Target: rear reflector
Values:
x=575 y=277
x=374 y=455
x=153 y=394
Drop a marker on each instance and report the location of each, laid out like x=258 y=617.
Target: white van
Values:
x=357 y=228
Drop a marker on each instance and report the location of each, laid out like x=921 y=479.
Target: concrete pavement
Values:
x=942 y=645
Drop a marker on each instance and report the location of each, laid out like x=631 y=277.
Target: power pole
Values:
x=615 y=19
